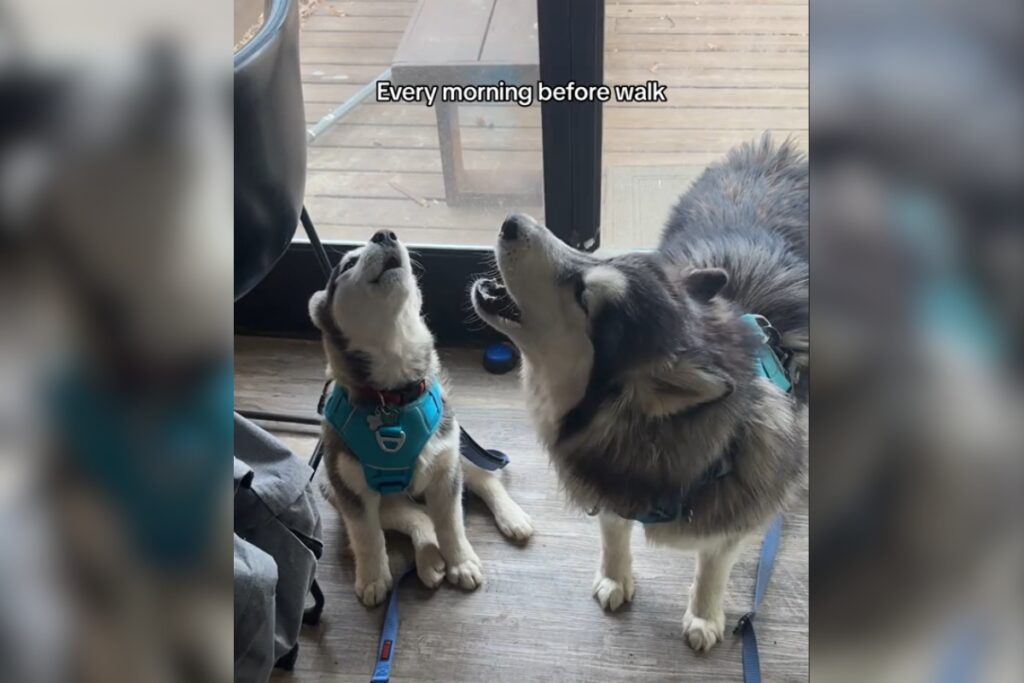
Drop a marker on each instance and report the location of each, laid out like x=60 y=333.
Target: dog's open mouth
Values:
x=391 y=263
x=492 y=298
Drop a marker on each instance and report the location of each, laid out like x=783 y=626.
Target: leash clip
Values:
x=746 y=620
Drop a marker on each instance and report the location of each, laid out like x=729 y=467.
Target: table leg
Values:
x=450 y=140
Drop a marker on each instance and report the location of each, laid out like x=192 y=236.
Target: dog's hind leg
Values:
x=510 y=518
x=704 y=622
x=613 y=584
x=398 y=513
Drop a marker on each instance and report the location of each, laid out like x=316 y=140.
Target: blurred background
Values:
x=917 y=122
x=115 y=365
x=115 y=292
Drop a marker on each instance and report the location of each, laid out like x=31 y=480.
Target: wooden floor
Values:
x=733 y=68
x=534 y=619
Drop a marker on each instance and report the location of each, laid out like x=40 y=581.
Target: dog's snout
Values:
x=385 y=237
x=511 y=227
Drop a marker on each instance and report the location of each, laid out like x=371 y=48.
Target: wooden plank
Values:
x=665 y=60
x=426 y=137
x=503 y=139
x=709 y=25
x=696 y=116
x=706 y=77
x=367 y=8
x=614 y=42
x=724 y=40
x=701 y=10
x=330 y=93
x=362 y=212
x=702 y=3
x=441 y=31
x=426 y=185
x=675 y=77
x=428 y=160
x=358 y=74
x=714 y=96
x=348 y=39
x=710 y=95
x=512 y=33
x=645 y=65
x=537 y=596
x=380 y=57
x=330 y=22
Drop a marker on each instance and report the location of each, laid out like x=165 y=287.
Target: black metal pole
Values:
x=314 y=240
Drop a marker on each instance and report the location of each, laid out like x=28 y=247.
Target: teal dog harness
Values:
x=387 y=439
x=771 y=364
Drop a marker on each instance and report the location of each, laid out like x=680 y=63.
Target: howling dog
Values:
x=389 y=432
x=666 y=385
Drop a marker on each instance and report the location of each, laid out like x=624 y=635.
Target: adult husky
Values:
x=640 y=369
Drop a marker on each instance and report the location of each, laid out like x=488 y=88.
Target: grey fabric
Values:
x=255 y=585
x=275 y=513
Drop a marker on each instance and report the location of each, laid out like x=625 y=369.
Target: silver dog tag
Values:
x=380 y=418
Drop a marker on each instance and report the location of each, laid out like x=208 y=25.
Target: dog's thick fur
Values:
x=374 y=336
x=640 y=374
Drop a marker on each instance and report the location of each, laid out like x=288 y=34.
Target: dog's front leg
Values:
x=444 y=505
x=366 y=536
x=399 y=513
x=613 y=584
x=704 y=622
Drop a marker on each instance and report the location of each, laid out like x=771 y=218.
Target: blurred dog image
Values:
x=640 y=372
x=379 y=346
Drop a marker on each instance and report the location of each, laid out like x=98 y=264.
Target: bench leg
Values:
x=450 y=140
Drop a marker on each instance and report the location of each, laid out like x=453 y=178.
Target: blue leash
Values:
x=388 y=637
x=769 y=549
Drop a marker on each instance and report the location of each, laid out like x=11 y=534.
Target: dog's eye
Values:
x=580 y=287
x=348 y=266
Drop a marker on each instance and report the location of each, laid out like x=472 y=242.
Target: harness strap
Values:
x=489 y=459
x=745 y=626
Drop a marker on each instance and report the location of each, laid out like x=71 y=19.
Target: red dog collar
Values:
x=369 y=396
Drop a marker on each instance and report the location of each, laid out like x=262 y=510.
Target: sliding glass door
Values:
x=441 y=175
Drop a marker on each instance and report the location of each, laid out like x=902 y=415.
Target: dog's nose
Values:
x=385 y=237
x=510 y=228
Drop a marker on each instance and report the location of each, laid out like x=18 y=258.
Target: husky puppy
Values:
x=376 y=341
x=640 y=374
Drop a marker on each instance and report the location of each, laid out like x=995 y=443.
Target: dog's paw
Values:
x=371 y=592
x=703 y=634
x=611 y=593
x=430 y=565
x=467 y=574
x=514 y=524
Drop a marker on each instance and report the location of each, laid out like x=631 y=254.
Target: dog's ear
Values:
x=704 y=283
x=683 y=386
x=318 y=309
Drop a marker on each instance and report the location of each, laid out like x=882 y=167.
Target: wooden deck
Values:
x=533 y=620
x=733 y=69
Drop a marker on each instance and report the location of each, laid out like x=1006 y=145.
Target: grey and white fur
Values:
x=640 y=375
x=374 y=337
